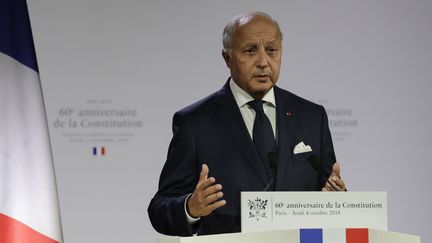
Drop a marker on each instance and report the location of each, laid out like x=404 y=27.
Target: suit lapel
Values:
x=232 y=120
x=288 y=133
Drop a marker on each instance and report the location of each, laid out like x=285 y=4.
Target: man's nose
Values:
x=262 y=61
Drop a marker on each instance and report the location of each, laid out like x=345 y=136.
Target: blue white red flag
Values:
x=29 y=210
x=334 y=235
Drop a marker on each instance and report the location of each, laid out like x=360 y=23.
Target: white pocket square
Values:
x=302 y=148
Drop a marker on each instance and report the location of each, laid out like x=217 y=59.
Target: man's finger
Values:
x=216 y=205
x=212 y=189
x=204 y=172
x=336 y=169
x=328 y=187
x=333 y=184
x=210 y=199
x=203 y=185
x=205 y=190
x=339 y=183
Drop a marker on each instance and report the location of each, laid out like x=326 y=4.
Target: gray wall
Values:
x=371 y=58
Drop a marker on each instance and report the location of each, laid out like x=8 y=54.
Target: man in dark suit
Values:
x=249 y=136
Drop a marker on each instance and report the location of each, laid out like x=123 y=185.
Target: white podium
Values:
x=295 y=236
x=274 y=217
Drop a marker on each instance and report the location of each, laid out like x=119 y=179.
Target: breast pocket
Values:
x=302 y=157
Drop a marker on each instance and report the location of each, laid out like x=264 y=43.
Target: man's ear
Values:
x=226 y=56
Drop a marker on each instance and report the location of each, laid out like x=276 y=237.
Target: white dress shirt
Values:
x=242 y=98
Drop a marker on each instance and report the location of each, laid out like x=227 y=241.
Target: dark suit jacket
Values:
x=212 y=131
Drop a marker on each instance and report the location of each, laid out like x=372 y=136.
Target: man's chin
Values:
x=261 y=92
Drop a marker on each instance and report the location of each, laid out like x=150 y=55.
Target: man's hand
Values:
x=334 y=182
x=206 y=195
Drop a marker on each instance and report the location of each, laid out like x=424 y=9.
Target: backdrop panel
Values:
x=114 y=72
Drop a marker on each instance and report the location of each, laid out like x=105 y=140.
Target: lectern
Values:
x=309 y=217
x=349 y=235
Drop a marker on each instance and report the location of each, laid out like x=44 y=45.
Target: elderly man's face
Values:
x=256 y=56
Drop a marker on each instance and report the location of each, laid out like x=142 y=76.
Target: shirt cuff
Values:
x=191 y=220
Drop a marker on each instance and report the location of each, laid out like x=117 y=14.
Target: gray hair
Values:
x=231 y=27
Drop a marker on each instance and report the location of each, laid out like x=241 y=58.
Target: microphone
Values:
x=272 y=160
x=316 y=164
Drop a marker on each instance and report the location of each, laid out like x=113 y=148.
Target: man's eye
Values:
x=249 y=51
x=272 y=50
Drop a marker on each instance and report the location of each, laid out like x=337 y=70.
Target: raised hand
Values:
x=205 y=198
x=334 y=182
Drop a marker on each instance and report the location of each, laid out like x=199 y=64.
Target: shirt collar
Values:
x=242 y=97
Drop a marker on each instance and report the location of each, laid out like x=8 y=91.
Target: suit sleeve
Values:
x=328 y=156
x=177 y=180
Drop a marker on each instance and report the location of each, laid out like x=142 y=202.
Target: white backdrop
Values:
x=369 y=62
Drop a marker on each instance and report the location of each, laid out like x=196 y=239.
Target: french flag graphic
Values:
x=334 y=235
x=29 y=210
x=99 y=151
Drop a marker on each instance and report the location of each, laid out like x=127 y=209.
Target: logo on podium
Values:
x=257 y=208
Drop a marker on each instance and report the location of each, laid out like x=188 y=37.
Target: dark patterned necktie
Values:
x=263 y=137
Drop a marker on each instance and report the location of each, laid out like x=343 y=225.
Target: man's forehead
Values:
x=257 y=26
x=255 y=32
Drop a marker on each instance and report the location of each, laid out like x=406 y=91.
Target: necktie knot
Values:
x=257 y=105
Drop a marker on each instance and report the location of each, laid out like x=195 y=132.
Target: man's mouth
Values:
x=263 y=77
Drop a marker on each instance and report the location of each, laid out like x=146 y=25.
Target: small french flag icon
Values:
x=99 y=151
x=349 y=235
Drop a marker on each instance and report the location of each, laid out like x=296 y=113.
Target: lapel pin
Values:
x=289 y=113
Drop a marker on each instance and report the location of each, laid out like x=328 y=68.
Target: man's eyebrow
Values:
x=250 y=44
x=272 y=42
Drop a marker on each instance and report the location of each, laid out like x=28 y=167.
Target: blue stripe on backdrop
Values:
x=16 y=38
x=311 y=236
